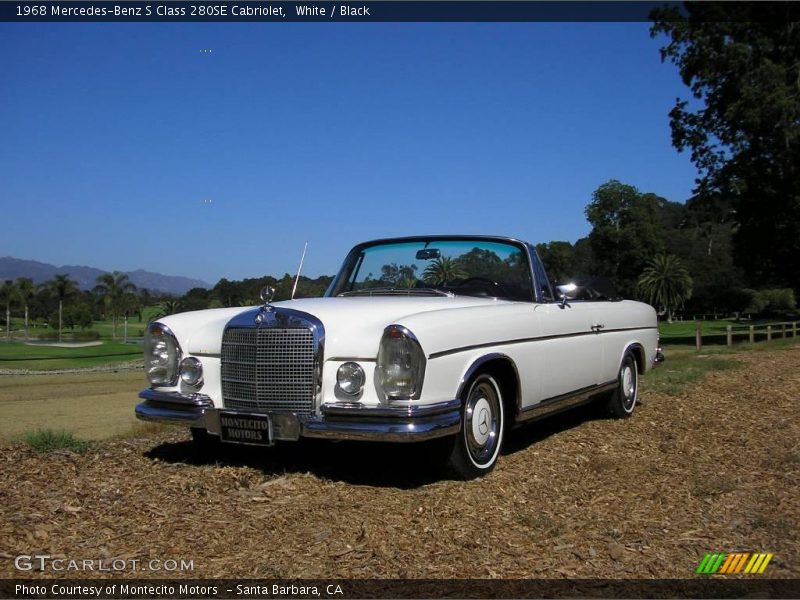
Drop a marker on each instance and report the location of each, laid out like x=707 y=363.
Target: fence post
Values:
x=752 y=335
x=698 y=335
x=769 y=333
x=794 y=329
x=730 y=335
x=783 y=330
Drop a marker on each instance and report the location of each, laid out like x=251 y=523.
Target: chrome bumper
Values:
x=340 y=421
x=659 y=357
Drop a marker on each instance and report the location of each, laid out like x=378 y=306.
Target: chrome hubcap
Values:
x=482 y=424
x=628 y=382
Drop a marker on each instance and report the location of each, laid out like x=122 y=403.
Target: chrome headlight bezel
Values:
x=191 y=365
x=400 y=369
x=160 y=337
x=350 y=378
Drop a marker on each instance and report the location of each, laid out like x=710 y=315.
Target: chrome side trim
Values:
x=564 y=402
x=542 y=338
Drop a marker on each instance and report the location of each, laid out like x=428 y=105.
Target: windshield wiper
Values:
x=389 y=291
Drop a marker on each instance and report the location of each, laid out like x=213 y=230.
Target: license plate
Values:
x=244 y=428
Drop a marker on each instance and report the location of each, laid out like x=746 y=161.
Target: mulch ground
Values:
x=715 y=468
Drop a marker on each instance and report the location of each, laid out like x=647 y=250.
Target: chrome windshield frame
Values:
x=334 y=289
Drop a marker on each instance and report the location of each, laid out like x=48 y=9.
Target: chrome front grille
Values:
x=269 y=369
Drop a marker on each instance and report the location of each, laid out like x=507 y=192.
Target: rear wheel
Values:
x=622 y=402
x=478 y=444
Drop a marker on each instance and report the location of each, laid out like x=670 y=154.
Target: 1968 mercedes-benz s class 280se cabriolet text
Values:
x=451 y=337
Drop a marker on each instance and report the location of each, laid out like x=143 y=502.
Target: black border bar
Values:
x=456 y=11
x=345 y=589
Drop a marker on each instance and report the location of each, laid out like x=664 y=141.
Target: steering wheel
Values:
x=489 y=282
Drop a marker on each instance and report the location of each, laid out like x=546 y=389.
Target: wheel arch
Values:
x=504 y=370
x=639 y=355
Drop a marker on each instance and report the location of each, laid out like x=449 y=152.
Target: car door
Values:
x=573 y=347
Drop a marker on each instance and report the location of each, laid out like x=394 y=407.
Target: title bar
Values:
x=370 y=11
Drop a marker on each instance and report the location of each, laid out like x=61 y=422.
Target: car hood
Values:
x=353 y=325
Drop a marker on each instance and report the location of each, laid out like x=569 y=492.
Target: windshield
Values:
x=433 y=266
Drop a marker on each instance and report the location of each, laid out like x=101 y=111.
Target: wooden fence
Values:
x=751 y=332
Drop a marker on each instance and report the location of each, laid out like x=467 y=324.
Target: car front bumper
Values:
x=340 y=421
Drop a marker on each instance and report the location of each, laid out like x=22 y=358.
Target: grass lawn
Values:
x=18 y=355
x=104 y=327
x=684 y=364
x=90 y=405
x=686 y=329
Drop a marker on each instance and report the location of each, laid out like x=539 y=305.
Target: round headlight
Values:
x=191 y=371
x=350 y=378
x=161 y=355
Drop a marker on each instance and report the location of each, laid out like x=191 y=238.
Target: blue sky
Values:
x=125 y=146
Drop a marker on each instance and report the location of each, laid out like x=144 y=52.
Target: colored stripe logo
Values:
x=731 y=564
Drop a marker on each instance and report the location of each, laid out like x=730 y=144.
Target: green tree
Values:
x=113 y=288
x=741 y=62
x=229 y=293
x=167 y=307
x=558 y=260
x=199 y=298
x=26 y=290
x=61 y=287
x=627 y=231
x=78 y=315
x=442 y=271
x=666 y=283
x=8 y=295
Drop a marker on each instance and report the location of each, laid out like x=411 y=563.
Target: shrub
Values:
x=773 y=302
x=48 y=440
x=47 y=336
x=86 y=335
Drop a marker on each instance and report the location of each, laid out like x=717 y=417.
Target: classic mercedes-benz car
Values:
x=417 y=338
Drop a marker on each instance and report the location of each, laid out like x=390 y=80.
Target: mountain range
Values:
x=86 y=277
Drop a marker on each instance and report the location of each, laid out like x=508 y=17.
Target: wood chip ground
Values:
x=715 y=468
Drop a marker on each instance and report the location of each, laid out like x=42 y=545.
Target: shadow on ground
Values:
x=404 y=466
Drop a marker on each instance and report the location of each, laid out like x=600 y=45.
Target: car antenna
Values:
x=297 y=278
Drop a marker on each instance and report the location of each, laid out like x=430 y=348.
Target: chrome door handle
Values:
x=597 y=327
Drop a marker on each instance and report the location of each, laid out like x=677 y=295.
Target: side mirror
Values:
x=566 y=291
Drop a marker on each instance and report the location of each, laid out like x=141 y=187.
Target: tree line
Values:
x=61 y=304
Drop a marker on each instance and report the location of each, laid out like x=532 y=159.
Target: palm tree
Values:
x=168 y=307
x=666 y=283
x=113 y=287
x=442 y=271
x=130 y=304
x=26 y=290
x=61 y=286
x=8 y=295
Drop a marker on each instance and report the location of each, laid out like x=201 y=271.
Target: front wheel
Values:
x=478 y=444
x=623 y=400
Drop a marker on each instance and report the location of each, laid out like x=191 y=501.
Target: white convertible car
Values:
x=451 y=337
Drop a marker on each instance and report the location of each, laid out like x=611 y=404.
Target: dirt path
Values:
x=714 y=469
